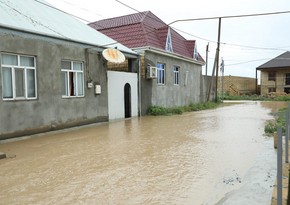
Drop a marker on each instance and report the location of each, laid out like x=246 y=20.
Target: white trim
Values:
x=168 y=45
x=172 y=55
x=161 y=70
x=24 y=68
x=176 y=73
x=75 y=79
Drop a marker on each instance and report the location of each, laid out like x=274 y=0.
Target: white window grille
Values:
x=176 y=75
x=168 y=46
x=18 y=77
x=160 y=74
x=72 y=79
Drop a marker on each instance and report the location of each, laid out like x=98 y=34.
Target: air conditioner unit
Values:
x=151 y=72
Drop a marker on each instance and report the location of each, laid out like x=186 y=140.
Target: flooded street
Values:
x=209 y=157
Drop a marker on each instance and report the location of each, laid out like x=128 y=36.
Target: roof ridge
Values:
x=145 y=15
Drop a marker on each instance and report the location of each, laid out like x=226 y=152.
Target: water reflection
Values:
x=181 y=159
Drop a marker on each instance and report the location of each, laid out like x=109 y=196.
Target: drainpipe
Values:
x=256 y=81
x=139 y=86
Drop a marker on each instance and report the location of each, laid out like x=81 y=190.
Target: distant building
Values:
x=236 y=85
x=275 y=75
x=170 y=66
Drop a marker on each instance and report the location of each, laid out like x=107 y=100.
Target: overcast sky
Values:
x=246 y=42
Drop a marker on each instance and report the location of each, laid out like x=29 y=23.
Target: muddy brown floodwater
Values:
x=210 y=157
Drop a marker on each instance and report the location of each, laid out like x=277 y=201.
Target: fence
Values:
x=280 y=155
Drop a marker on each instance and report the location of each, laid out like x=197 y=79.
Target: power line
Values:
x=127 y=6
x=205 y=18
x=137 y=36
x=232 y=44
x=211 y=18
x=233 y=16
x=33 y=20
x=62 y=11
x=82 y=8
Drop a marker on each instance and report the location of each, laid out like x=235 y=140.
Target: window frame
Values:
x=287 y=78
x=72 y=80
x=271 y=76
x=168 y=46
x=161 y=73
x=14 y=69
x=176 y=75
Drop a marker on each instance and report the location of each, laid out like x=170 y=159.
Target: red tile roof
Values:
x=144 y=29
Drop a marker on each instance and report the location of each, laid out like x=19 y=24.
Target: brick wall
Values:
x=278 y=84
x=235 y=85
x=118 y=66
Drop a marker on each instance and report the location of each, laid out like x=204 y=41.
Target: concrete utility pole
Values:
x=215 y=66
x=217 y=59
x=206 y=61
x=222 y=71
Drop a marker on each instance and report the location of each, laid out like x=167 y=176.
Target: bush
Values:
x=177 y=110
x=280 y=121
x=158 y=110
x=282 y=98
x=270 y=128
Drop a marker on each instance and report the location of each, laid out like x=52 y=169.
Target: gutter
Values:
x=172 y=55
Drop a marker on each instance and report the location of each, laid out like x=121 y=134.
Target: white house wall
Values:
x=116 y=84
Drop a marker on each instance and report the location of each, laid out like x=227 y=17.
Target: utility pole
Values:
x=222 y=71
x=217 y=59
x=206 y=59
x=212 y=75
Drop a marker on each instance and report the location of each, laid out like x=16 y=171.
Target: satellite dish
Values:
x=113 y=55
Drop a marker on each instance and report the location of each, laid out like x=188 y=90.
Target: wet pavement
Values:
x=209 y=157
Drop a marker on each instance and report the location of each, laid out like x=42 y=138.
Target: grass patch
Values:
x=159 y=110
x=280 y=121
x=247 y=97
x=257 y=97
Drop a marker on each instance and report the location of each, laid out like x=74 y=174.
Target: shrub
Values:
x=280 y=121
x=270 y=127
x=158 y=110
x=177 y=110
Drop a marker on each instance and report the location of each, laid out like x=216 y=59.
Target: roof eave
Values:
x=273 y=68
x=98 y=47
x=174 y=55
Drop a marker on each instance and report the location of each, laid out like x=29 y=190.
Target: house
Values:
x=275 y=75
x=53 y=74
x=170 y=66
x=237 y=85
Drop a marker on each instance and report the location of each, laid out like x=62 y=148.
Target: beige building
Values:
x=235 y=85
x=275 y=75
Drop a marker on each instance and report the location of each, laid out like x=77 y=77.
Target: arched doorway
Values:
x=127 y=100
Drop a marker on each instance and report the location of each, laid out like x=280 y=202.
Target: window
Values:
x=195 y=53
x=72 y=79
x=160 y=73
x=18 y=77
x=168 y=46
x=176 y=75
x=287 y=79
x=272 y=76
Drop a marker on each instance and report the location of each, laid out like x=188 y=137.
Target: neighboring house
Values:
x=52 y=73
x=275 y=75
x=237 y=85
x=170 y=66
